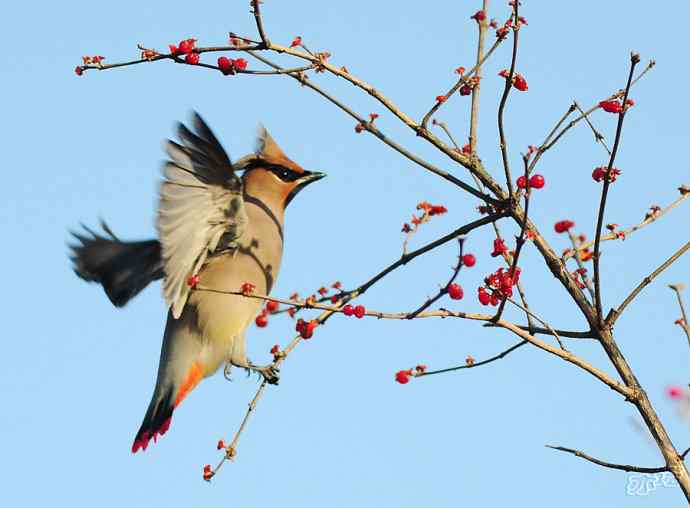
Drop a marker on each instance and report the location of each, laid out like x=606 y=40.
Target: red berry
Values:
x=537 y=181
x=225 y=65
x=187 y=46
x=78 y=70
x=335 y=298
x=598 y=174
x=612 y=106
x=275 y=349
x=247 y=288
x=455 y=291
x=520 y=83
x=522 y=182
x=469 y=260
x=484 y=297
x=563 y=225
x=499 y=247
x=221 y=444
x=306 y=330
x=173 y=49
x=272 y=306
x=348 y=310
x=403 y=376
x=441 y=98
x=479 y=16
x=240 y=64
x=493 y=299
x=359 y=311
x=465 y=90
x=192 y=58
x=192 y=281
x=261 y=320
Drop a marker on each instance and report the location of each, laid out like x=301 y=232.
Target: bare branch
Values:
x=504 y=99
x=634 y=60
x=474 y=111
x=598 y=137
x=370 y=127
x=650 y=218
x=502 y=354
x=615 y=314
x=622 y=467
x=678 y=289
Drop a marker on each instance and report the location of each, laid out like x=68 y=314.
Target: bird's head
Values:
x=270 y=173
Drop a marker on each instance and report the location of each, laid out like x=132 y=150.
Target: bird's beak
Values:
x=309 y=177
x=304 y=180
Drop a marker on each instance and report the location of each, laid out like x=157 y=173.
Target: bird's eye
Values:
x=285 y=174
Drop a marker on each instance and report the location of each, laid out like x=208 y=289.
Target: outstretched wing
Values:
x=200 y=204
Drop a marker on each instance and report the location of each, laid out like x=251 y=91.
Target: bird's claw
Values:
x=270 y=373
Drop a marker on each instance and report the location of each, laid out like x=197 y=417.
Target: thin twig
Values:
x=678 y=289
x=476 y=89
x=547 y=325
x=580 y=264
x=598 y=137
x=464 y=80
x=370 y=127
x=504 y=99
x=430 y=301
x=256 y=10
x=622 y=467
x=634 y=60
x=544 y=146
x=475 y=364
x=615 y=314
x=577 y=120
x=520 y=241
x=650 y=218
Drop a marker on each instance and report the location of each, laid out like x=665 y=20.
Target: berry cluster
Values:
x=536 y=181
x=358 y=311
x=228 y=66
x=498 y=285
x=519 y=82
x=306 y=328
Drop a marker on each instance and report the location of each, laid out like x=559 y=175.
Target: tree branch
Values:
x=634 y=60
x=610 y=465
x=615 y=314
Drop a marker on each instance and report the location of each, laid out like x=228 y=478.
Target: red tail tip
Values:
x=142 y=440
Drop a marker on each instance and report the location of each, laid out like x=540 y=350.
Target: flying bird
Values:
x=217 y=230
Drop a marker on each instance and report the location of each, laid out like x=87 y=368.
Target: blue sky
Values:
x=337 y=431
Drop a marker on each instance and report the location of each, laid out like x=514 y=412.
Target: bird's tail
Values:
x=156 y=421
x=122 y=268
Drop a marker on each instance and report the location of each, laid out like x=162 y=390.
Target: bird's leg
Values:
x=238 y=358
x=270 y=372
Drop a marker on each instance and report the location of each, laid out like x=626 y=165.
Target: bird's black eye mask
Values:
x=284 y=173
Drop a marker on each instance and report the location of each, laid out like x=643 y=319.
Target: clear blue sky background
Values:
x=338 y=431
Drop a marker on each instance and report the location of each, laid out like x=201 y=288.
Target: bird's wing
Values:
x=200 y=203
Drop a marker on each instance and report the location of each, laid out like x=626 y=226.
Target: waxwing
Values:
x=217 y=230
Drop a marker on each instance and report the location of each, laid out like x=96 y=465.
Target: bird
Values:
x=217 y=230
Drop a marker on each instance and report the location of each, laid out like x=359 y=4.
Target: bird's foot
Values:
x=227 y=371
x=270 y=373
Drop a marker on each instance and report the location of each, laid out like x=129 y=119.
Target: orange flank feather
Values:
x=194 y=375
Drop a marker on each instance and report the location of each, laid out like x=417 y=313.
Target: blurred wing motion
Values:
x=200 y=209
